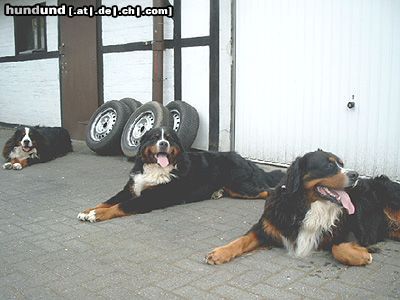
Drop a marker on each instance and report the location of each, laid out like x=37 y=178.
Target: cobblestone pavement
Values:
x=46 y=253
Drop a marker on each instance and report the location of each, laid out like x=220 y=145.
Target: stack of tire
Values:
x=117 y=126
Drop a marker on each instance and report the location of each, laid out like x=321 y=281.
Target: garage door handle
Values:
x=351 y=104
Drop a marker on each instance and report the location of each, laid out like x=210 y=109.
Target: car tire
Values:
x=104 y=130
x=131 y=103
x=150 y=115
x=186 y=121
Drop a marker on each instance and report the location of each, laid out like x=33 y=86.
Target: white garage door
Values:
x=299 y=63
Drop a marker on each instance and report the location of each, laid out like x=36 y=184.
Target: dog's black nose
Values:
x=26 y=142
x=353 y=175
x=163 y=144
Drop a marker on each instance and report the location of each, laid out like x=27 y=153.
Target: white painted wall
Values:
x=30 y=92
x=123 y=30
x=298 y=66
x=195 y=88
x=195 y=18
x=129 y=74
x=7 y=44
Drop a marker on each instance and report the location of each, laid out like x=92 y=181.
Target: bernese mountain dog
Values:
x=31 y=145
x=308 y=210
x=377 y=203
x=165 y=175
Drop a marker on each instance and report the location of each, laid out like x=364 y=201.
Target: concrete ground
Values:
x=46 y=253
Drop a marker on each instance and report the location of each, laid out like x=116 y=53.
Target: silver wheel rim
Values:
x=103 y=124
x=143 y=123
x=177 y=119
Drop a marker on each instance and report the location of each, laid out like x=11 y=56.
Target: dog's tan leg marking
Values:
x=233 y=194
x=352 y=254
x=103 y=214
x=235 y=248
x=100 y=205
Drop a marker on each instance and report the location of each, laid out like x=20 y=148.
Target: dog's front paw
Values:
x=367 y=259
x=217 y=194
x=17 y=166
x=88 y=216
x=7 y=166
x=218 y=256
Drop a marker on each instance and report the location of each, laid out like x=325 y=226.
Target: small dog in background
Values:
x=31 y=145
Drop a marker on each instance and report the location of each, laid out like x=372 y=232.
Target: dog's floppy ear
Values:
x=294 y=177
x=143 y=140
x=9 y=146
x=177 y=140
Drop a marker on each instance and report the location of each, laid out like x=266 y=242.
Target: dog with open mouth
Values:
x=31 y=145
x=309 y=210
x=165 y=174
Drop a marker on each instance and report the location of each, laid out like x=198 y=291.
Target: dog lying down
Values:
x=165 y=174
x=316 y=206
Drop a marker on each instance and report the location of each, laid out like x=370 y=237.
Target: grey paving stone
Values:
x=270 y=292
x=219 y=277
x=191 y=292
x=153 y=292
x=40 y=293
x=284 y=278
x=10 y=293
x=250 y=278
x=178 y=280
x=231 y=292
x=310 y=292
x=348 y=290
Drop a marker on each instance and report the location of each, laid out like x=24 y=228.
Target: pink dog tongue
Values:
x=346 y=202
x=162 y=160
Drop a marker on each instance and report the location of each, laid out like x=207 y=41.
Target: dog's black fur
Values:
x=308 y=210
x=192 y=177
x=47 y=143
x=374 y=198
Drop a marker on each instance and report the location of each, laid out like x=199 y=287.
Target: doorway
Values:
x=80 y=69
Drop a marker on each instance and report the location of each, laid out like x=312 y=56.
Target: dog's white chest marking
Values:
x=18 y=153
x=319 y=219
x=153 y=174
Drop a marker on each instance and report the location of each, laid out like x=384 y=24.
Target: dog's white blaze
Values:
x=319 y=220
x=162 y=139
x=26 y=137
x=153 y=174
